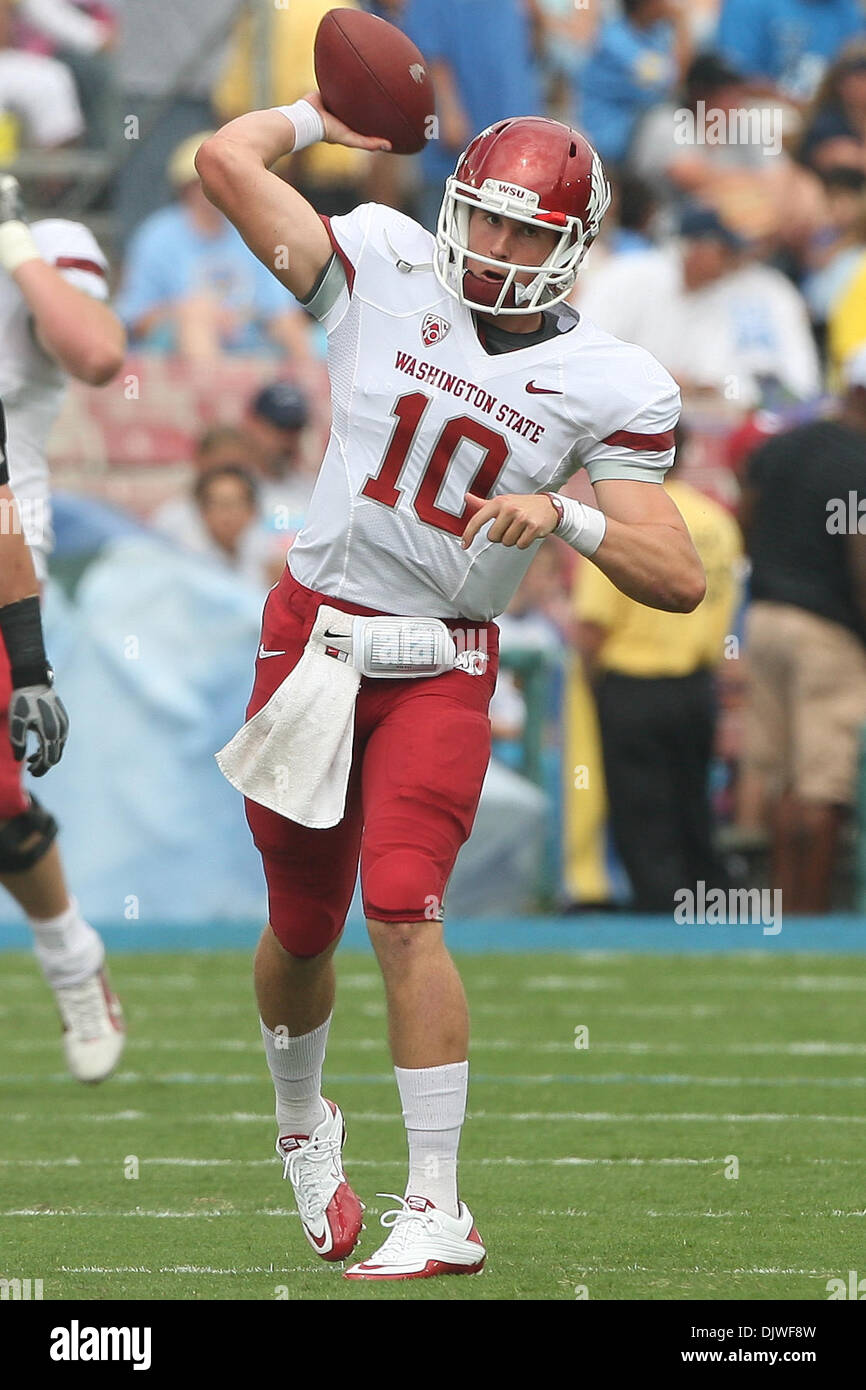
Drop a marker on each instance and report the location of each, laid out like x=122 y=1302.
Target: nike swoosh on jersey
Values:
x=263 y=652
x=542 y=390
x=336 y=634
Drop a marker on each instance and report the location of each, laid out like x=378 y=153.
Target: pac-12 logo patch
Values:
x=433 y=329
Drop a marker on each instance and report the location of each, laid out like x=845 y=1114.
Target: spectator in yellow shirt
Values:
x=653 y=674
x=335 y=172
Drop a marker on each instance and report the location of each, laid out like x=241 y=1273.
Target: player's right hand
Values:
x=336 y=133
x=38 y=709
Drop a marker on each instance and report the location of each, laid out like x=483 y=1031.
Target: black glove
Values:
x=38 y=709
x=34 y=707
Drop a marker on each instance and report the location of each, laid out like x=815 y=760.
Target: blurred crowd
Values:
x=734 y=134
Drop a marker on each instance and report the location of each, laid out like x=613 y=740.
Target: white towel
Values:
x=295 y=755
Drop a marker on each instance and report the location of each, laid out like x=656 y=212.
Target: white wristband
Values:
x=16 y=245
x=581 y=527
x=308 y=123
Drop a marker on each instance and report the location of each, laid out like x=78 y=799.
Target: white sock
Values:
x=434 y=1108
x=296 y=1067
x=67 y=948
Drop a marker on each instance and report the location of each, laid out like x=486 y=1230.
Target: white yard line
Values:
x=253 y=1047
x=555 y=983
x=508 y=1117
x=697 y=1269
x=321 y=1268
x=191 y=1269
x=283 y=1212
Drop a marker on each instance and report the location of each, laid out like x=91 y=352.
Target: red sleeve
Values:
x=344 y=259
x=651 y=443
x=77 y=263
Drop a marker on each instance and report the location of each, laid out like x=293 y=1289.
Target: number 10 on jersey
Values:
x=383 y=485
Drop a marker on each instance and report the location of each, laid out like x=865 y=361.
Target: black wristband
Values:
x=21 y=626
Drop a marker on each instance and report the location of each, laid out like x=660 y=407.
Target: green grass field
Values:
x=601 y=1167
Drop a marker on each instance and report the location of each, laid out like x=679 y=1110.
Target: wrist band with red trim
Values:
x=579 y=526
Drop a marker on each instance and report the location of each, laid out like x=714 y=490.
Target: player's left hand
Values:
x=38 y=709
x=520 y=519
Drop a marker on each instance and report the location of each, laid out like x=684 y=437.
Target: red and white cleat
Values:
x=93 y=1028
x=330 y=1212
x=423 y=1242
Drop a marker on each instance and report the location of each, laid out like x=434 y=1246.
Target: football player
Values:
x=54 y=322
x=34 y=707
x=464 y=392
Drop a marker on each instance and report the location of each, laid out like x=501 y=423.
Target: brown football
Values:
x=374 y=79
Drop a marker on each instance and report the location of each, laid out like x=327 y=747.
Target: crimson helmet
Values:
x=538 y=171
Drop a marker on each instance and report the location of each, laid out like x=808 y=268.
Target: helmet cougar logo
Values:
x=416 y=72
x=433 y=329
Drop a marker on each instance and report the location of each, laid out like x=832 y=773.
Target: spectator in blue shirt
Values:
x=636 y=62
x=483 y=70
x=787 y=42
x=193 y=287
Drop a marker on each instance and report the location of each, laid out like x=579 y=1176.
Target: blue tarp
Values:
x=154 y=660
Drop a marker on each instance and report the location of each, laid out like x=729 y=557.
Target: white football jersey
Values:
x=422 y=414
x=32 y=384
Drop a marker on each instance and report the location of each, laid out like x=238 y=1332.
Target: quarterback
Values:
x=464 y=393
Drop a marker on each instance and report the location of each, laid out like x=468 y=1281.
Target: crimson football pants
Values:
x=421 y=749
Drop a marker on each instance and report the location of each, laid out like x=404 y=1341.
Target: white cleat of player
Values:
x=93 y=1028
x=423 y=1242
x=329 y=1210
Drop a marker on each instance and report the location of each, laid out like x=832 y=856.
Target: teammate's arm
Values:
x=80 y=332
x=34 y=706
x=278 y=225
x=17 y=575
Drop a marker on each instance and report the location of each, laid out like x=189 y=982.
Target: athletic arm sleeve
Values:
x=327 y=289
x=642 y=448
x=349 y=234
